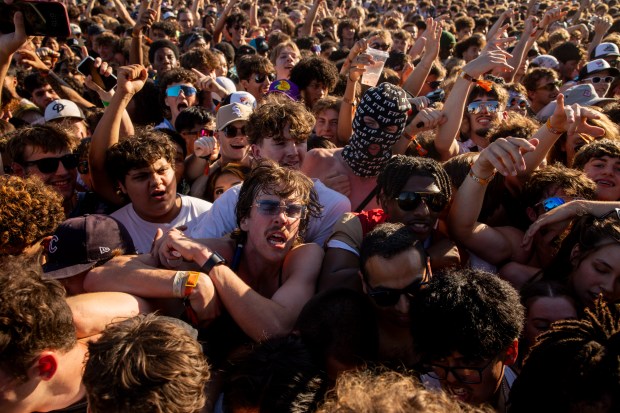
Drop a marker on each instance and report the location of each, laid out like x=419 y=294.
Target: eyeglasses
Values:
x=268 y=207
x=550 y=203
x=380 y=46
x=240 y=27
x=434 y=84
x=261 y=78
x=175 y=91
x=230 y=131
x=599 y=79
x=50 y=165
x=409 y=201
x=467 y=375
x=549 y=87
x=387 y=297
x=491 y=106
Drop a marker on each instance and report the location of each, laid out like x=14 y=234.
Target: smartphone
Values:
x=87 y=67
x=41 y=18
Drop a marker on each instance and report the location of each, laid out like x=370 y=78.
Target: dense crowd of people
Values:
x=216 y=206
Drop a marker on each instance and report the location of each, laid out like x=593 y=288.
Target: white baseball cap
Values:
x=62 y=108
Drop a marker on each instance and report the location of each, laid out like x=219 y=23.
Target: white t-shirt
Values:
x=221 y=219
x=142 y=232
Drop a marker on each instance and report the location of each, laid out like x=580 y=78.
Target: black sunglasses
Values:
x=434 y=84
x=50 y=165
x=380 y=46
x=230 y=131
x=387 y=297
x=261 y=78
x=468 y=375
x=408 y=201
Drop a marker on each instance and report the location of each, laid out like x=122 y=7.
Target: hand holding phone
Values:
x=88 y=67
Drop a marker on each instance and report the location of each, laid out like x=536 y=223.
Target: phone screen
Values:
x=87 y=67
x=40 y=18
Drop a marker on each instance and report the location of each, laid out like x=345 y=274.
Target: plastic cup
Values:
x=373 y=72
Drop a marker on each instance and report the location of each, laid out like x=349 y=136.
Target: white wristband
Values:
x=178 y=284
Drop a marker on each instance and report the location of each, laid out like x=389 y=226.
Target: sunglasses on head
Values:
x=270 y=207
x=50 y=165
x=551 y=203
x=380 y=46
x=491 y=106
x=231 y=131
x=434 y=84
x=387 y=297
x=556 y=84
x=175 y=91
x=261 y=78
x=409 y=201
x=599 y=79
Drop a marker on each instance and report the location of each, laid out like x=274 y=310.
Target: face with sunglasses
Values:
x=180 y=96
x=233 y=141
x=431 y=84
x=483 y=111
x=258 y=84
x=56 y=169
x=417 y=205
x=391 y=283
x=601 y=82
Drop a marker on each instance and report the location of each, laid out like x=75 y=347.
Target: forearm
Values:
x=310 y=19
x=135 y=49
x=445 y=141
x=546 y=140
x=347 y=111
x=416 y=80
x=498 y=23
x=123 y=13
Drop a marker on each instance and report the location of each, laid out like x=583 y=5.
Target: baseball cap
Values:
x=75 y=29
x=545 y=60
x=233 y=112
x=95 y=29
x=167 y=15
x=584 y=94
x=604 y=50
x=81 y=243
x=285 y=87
x=62 y=108
x=596 y=66
x=260 y=44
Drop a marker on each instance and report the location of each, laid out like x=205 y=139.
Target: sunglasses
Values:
x=380 y=46
x=199 y=133
x=387 y=297
x=519 y=103
x=491 y=106
x=239 y=27
x=175 y=91
x=230 y=131
x=268 y=207
x=599 y=79
x=261 y=78
x=551 y=203
x=434 y=84
x=409 y=201
x=556 y=84
x=50 y=165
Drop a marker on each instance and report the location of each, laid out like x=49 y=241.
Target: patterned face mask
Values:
x=371 y=147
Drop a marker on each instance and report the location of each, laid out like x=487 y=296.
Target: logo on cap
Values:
x=103 y=250
x=609 y=48
x=236 y=111
x=587 y=93
x=58 y=107
x=53 y=248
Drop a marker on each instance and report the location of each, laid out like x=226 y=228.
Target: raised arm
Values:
x=601 y=26
x=221 y=22
x=306 y=29
x=122 y=12
x=130 y=80
x=9 y=43
x=493 y=245
x=146 y=18
x=416 y=80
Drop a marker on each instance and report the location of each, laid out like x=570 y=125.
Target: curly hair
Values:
x=574 y=184
x=29 y=210
x=249 y=64
x=48 y=137
x=466 y=310
x=138 y=151
x=269 y=177
x=596 y=149
x=515 y=125
x=278 y=111
x=148 y=364
x=583 y=357
x=314 y=68
x=200 y=59
x=34 y=316
x=400 y=168
x=160 y=44
x=367 y=391
x=530 y=80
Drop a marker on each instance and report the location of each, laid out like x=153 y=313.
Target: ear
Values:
x=255 y=151
x=504 y=115
x=18 y=170
x=531 y=214
x=363 y=283
x=46 y=366
x=244 y=224
x=575 y=252
x=122 y=187
x=512 y=353
x=45 y=242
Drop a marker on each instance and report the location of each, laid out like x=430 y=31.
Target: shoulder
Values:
x=307 y=255
x=320 y=156
x=195 y=203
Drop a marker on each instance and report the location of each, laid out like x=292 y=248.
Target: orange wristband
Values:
x=192 y=281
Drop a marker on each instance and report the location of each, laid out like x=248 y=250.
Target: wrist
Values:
x=554 y=129
x=481 y=179
x=481 y=171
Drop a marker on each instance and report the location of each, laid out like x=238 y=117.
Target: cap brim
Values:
x=54 y=272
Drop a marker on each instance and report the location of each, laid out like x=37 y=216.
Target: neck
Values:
x=254 y=267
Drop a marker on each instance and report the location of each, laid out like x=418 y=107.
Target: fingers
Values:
x=506 y=155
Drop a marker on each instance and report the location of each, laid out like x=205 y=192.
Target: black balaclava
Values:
x=369 y=149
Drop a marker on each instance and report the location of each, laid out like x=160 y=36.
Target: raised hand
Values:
x=505 y=156
x=130 y=79
x=487 y=61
